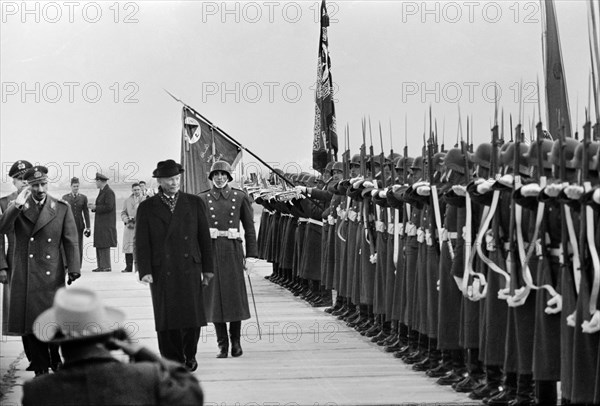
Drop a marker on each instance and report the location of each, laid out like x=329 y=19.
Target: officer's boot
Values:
x=458 y=371
x=545 y=393
x=507 y=394
x=407 y=341
x=357 y=316
x=525 y=391
x=421 y=351
x=339 y=301
x=432 y=360
x=392 y=336
x=375 y=327
x=475 y=373
x=444 y=366
x=367 y=317
x=128 y=263
x=222 y=339
x=493 y=382
x=384 y=334
x=348 y=309
x=235 y=330
x=343 y=306
x=326 y=298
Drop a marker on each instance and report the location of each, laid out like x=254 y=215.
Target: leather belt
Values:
x=302 y=220
x=315 y=222
x=231 y=234
x=449 y=235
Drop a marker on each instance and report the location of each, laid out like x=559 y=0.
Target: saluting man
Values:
x=225 y=298
x=43 y=229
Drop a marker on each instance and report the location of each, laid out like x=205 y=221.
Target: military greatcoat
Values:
x=226 y=298
x=105 y=223
x=38 y=268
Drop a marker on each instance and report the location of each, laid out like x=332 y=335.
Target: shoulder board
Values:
x=62 y=201
x=203 y=192
x=238 y=190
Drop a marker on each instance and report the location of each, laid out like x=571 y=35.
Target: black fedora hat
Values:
x=166 y=169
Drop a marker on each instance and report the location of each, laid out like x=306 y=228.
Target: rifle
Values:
x=393 y=164
x=382 y=159
x=512 y=238
x=363 y=147
x=371 y=152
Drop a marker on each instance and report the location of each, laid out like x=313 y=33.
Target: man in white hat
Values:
x=87 y=331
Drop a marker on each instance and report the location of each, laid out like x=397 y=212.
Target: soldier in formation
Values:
x=477 y=266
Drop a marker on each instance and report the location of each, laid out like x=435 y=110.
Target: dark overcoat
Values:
x=175 y=248
x=226 y=298
x=79 y=207
x=5 y=255
x=105 y=223
x=100 y=379
x=42 y=239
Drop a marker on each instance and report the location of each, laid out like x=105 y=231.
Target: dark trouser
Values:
x=235 y=330
x=41 y=355
x=103 y=257
x=80 y=238
x=180 y=344
x=129 y=262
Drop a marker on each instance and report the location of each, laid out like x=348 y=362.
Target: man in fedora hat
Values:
x=105 y=223
x=81 y=213
x=87 y=331
x=173 y=253
x=46 y=244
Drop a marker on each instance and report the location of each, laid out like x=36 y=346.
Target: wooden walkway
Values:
x=305 y=356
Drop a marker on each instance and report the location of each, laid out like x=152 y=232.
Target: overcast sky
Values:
x=82 y=83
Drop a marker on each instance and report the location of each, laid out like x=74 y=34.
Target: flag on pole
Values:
x=325 y=143
x=201 y=145
x=557 y=101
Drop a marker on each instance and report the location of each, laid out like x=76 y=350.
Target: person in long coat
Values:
x=105 y=223
x=46 y=243
x=128 y=215
x=81 y=213
x=173 y=253
x=226 y=298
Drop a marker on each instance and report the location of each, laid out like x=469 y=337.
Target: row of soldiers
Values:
x=454 y=261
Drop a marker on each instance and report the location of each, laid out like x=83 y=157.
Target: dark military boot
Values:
x=525 y=391
x=222 y=339
x=493 y=382
x=545 y=393
x=507 y=394
x=235 y=329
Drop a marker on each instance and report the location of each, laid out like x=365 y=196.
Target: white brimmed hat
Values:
x=77 y=314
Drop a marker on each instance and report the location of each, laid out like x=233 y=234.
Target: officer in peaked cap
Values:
x=225 y=299
x=105 y=223
x=46 y=245
x=81 y=212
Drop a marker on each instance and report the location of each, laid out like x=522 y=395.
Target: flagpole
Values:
x=238 y=144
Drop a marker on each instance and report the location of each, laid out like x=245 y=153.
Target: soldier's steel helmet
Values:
x=507 y=157
x=569 y=151
x=455 y=160
x=482 y=155
x=220 y=166
x=355 y=159
x=337 y=166
x=417 y=163
x=532 y=154
x=578 y=158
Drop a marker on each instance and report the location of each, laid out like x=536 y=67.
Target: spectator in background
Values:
x=105 y=223
x=81 y=213
x=146 y=193
x=128 y=214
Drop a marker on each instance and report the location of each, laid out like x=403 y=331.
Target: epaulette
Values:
x=238 y=190
x=204 y=191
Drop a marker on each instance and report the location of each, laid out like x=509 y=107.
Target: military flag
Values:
x=557 y=101
x=325 y=144
x=201 y=145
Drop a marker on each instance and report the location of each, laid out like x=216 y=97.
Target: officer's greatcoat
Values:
x=38 y=268
x=105 y=223
x=226 y=298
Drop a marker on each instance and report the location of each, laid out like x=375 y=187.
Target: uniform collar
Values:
x=217 y=193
